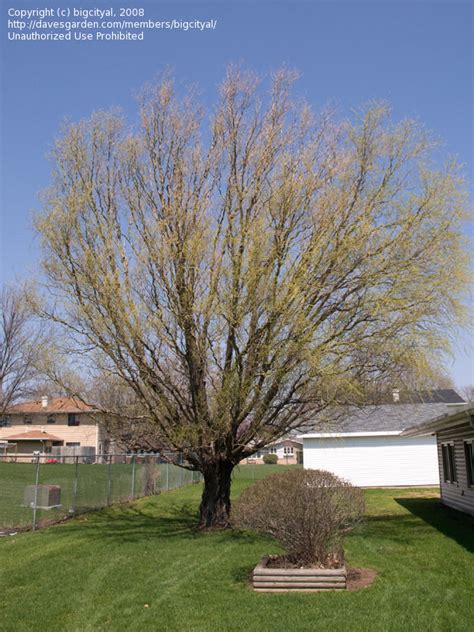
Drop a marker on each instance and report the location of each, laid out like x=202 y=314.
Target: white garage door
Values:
x=375 y=461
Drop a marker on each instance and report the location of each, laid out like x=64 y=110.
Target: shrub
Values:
x=307 y=511
x=270 y=459
x=151 y=478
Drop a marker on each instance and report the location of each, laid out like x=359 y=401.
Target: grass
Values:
x=144 y=567
x=92 y=490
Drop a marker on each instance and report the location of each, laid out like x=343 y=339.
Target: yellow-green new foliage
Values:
x=244 y=267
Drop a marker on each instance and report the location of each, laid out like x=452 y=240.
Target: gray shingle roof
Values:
x=387 y=417
x=435 y=396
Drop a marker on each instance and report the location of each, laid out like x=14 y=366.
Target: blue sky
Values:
x=417 y=55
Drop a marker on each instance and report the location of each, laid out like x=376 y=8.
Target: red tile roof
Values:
x=32 y=435
x=55 y=405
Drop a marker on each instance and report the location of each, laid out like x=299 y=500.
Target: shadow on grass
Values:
x=404 y=530
x=133 y=524
x=454 y=524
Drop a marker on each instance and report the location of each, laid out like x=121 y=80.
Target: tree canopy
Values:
x=241 y=269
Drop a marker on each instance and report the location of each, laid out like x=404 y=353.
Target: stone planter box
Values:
x=265 y=579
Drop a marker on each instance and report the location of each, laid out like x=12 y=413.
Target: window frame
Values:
x=73 y=420
x=469 y=461
x=448 y=456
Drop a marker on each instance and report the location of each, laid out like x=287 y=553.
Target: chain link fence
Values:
x=44 y=491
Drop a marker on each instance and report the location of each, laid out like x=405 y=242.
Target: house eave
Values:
x=443 y=422
x=336 y=435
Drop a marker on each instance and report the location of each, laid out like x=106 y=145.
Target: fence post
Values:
x=75 y=484
x=35 y=502
x=133 y=476
x=109 y=481
x=167 y=476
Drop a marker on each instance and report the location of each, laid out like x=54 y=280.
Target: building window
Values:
x=73 y=444
x=51 y=419
x=288 y=451
x=27 y=419
x=449 y=463
x=72 y=419
x=273 y=451
x=5 y=423
x=469 y=456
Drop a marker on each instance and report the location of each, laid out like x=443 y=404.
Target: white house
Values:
x=364 y=445
x=288 y=450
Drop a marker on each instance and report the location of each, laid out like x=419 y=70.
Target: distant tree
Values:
x=244 y=275
x=439 y=379
x=21 y=343
x=410 y=382
x=123 y=414
x=467 y=392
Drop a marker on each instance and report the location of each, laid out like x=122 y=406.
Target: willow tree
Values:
x=242 y=269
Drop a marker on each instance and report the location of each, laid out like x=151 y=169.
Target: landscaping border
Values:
x=265 y=579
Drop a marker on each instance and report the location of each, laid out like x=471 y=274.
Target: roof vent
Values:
x=44 y=401
x=396 y=395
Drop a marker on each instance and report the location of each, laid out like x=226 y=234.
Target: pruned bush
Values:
x=307 y=511
x=270 y=459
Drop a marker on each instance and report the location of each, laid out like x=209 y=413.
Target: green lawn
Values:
x=92 y=489
x=145 y=568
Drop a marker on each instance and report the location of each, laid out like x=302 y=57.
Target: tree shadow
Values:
x=135 y=523
x=243 y=575
x=452 y=523
x=132 y=524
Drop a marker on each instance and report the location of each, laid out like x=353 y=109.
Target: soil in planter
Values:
x=282 y=561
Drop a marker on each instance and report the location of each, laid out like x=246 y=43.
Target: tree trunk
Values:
x=215 y=502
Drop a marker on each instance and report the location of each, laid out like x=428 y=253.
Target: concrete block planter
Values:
x=265 y=579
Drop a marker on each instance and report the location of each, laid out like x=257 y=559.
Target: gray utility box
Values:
x=47 y=496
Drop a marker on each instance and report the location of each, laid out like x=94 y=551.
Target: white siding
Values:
x=375 y=461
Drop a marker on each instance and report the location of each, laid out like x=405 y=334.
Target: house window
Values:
x=288 y=451
x=72 y=419
x=273 y=450
x=449 y=463
x=5 y=423
x=27 y=419
x=73 y=444
x=51 y=419
x=469 y=456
